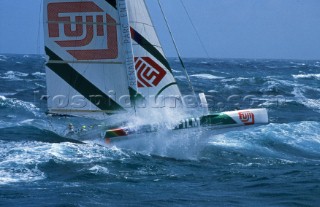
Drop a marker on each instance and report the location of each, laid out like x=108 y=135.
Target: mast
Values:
x=128 y=51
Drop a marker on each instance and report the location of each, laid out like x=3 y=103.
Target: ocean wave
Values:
x=20 y=161
x=13 y=103
x=3 y=58
x=97 y=169
x=26 y=161
x=313 y=104
x=14 y=75
x=292 y=141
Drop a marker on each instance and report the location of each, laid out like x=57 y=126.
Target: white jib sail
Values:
x=154 y=75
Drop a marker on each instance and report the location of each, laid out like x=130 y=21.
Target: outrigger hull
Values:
x=221 y=120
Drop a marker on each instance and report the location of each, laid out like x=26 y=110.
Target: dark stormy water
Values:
x=272 y=165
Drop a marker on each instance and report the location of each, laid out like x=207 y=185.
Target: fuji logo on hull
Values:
x=247 y=117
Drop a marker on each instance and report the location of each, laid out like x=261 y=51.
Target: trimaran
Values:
x=105 y=58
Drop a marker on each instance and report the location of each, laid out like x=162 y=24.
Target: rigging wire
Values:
x=176 y=48
x=195 y=29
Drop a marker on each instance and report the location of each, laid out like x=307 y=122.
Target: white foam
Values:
x=19 y=160
x=18 y=175
x=222 y=140
x=306 y=76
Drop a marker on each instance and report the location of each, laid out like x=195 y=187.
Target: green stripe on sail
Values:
x=82 y=85
x=112 y=3
x=164 y=88
x=143 y=42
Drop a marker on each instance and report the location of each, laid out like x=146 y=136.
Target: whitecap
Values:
x=3 y=98
x=39 y=85
x=97 y=169
x=176 y=71
x=14 y=75
x=230 y=86
x=38 y=74
x=27 y=121
x=206 y=76
x=239 y=79
x=306 y=76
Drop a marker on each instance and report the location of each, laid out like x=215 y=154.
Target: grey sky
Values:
x=288 y=29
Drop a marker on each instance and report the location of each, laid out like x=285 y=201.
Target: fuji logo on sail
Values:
x=80 y=33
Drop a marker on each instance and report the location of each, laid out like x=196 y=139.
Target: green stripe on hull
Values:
x=209 y=120
x=216 y=119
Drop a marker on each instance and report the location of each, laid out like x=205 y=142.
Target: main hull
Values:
x=223 y=120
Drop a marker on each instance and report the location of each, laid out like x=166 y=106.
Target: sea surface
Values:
x=272 y=165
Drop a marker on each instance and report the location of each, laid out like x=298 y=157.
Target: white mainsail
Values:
x=89 y=71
